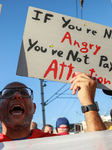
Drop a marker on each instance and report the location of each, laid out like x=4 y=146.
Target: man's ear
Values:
x=68 y=129
x=34 y=106
x=56 y=130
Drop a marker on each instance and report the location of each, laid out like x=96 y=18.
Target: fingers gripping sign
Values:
x=86 y=88
x=86 y=91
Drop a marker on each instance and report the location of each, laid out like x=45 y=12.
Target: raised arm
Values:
x=86 y=91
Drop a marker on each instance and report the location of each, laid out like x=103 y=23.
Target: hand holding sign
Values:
x=86 y=88
x=86 y=91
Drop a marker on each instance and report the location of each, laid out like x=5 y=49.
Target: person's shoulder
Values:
x=1 y=135
x=4 y=138
x=63 y=133
x=42 y=134
x=37 y=133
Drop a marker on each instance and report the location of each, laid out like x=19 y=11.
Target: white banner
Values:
x=100 y=140
x=56 y=46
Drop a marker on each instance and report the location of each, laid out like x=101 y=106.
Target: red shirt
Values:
x=36 y=133
x=63 y=133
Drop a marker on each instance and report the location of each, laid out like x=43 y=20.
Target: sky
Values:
x=12 y=23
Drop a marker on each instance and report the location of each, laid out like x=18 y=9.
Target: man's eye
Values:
x=25 y=93
x=8 y=93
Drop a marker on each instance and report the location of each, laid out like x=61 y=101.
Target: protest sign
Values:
x=55 y=46
x=99 y=140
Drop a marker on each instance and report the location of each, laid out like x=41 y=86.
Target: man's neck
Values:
x=16 y=134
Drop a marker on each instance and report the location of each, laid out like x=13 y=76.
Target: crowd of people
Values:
x=17 y=109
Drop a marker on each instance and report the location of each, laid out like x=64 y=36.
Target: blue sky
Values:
x=12 y=23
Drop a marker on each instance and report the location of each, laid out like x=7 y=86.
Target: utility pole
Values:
x=81 y=3
x=42 y=99
x=0 y=8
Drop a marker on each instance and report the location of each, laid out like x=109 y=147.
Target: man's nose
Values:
x=17 y=96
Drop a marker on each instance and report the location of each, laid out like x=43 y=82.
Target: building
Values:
x=106 y=118
x=76 y=128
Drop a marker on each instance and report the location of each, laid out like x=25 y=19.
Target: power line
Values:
x=70 y=108
x=65 y=107
x=67 y=97
x=79 y=114
x=81 y=3
x=67 y=104
x=49 y=101
x=55 y=93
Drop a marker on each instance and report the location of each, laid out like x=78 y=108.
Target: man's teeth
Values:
x=17 y=110
x=16 y=106
x=15 y=113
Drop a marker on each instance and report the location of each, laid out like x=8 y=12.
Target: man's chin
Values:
x=17 y=127
x=20 y=124
x=17 y=122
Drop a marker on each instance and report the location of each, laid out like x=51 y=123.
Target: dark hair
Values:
x=33 y=125
x=47 y=125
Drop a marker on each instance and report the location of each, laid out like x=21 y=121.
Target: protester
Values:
x=17 y=109
x=33 y=125
x=47 y=128
x=16 y=112
x=62 y=126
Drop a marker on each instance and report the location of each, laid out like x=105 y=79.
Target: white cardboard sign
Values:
x=99 y=140
x=55 y=46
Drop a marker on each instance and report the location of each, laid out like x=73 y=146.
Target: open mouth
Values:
x=17 y=110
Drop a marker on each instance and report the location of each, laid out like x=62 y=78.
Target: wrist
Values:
x=87 y=101
x=86 y=108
